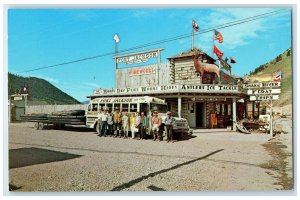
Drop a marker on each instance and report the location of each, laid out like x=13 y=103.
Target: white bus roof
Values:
x=144 y=99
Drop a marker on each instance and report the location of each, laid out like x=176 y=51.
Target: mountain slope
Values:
x=283 y=63
x=39 y=90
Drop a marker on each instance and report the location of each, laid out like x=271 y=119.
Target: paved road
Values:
x=78 y=160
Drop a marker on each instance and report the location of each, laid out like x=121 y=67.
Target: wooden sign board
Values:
x=264 y=97
x=262 y=85
x=264 y=91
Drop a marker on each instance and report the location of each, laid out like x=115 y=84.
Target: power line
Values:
x=222 y=26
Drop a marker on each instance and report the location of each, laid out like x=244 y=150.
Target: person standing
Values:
x=143 y=128
x=125 y=124
x=131 y=124
x=110 y=123
x=99 y=123
x=117 y=118
x=137 y=124
x=169 y=122
x=155 y=124
x=104 y=123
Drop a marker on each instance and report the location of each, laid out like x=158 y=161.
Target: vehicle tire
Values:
x=36 y=126
x=41 y=126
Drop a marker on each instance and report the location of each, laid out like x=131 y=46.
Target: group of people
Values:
x=119 y=124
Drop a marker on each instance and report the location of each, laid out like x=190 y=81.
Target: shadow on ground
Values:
x=140 y=179
x=23 y=157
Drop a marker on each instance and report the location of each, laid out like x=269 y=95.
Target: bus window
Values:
x=94 y=107
x=89 y=107
x=161 y=108
x=133 y=107
x=109 y=106
x=125 y=107
x=101 y=106
x=117 y=106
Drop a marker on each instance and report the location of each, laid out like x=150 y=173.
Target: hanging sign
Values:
x=262 y=85
x=264 y=91
x=264 y=97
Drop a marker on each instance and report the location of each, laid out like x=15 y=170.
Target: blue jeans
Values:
x=104 y=128
x=117 y=129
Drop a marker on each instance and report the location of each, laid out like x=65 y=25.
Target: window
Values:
x=117 y=106
x=101 y=106
x=125 y=107
x=161 y=108
x=94 y=107
x=133 y=107
x=89 y=107
x=109 y=106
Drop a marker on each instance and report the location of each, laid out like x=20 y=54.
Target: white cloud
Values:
x=241 y=34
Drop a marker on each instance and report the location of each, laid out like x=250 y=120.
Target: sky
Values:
x=44 y=37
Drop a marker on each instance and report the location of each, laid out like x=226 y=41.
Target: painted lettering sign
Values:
x=264 y=97
x=138 y=58
x=205 y=88
x=264 y=91
x=141 y=71
x=262 y=85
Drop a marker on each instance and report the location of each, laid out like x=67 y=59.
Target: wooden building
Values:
x=207 y=103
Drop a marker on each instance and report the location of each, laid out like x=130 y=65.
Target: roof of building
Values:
x=189 y=53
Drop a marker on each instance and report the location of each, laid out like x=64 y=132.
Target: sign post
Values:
x=263 y=91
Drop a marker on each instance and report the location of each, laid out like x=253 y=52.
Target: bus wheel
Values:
x=36 y=126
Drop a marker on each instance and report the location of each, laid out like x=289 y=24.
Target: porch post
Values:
x=179 y=106
x=234 y=114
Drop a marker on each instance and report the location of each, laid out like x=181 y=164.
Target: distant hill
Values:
x=40 y=91
x=283 y=63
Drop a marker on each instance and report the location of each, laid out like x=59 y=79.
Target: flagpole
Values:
x=193 y=39
x=116 y=48
x=213 y=39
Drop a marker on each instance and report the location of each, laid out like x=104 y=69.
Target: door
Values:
x=199 y=115
x=144 y=108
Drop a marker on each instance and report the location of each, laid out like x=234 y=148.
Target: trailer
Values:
x=58 y=119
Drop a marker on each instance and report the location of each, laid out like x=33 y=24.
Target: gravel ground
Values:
x=212 y=160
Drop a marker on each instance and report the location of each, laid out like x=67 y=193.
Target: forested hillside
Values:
x=39 y=91
x=283 y=63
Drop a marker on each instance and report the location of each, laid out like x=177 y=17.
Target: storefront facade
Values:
x=179 y=85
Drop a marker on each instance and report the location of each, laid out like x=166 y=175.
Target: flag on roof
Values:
x=277 y=76
x=116 y=38
x=232 y=60
x=218 y=36
x=195 y=25
x=218 y=52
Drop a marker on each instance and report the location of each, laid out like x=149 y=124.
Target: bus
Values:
x=144 y=104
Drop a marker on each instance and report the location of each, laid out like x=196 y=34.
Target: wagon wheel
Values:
x=41 y=126
x=36 y=126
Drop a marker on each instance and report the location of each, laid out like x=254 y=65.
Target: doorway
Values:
x=199 y=114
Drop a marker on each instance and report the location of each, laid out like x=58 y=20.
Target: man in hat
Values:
x=155 y=124
x=117 y=118
x=169 y=122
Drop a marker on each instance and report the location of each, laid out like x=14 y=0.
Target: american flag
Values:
x=277 y=76
x=218 y=36
x=195 y=25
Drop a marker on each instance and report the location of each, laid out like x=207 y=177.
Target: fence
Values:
x=48 y=109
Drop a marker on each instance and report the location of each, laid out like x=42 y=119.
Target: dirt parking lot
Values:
x=77 y=159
